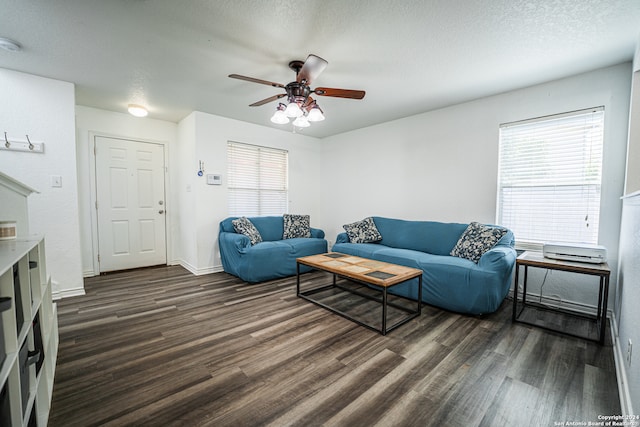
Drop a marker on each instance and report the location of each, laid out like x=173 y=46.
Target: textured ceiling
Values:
x=409 y=56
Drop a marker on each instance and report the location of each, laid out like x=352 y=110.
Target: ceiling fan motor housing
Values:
x=297 y=91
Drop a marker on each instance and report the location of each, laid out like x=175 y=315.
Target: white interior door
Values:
x=130 y=203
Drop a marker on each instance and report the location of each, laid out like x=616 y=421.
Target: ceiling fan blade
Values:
x=340 y=93
x=267 y=100
x=311 y=69
x=254 y=80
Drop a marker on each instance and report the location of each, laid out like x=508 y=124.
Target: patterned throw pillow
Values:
x=296 y=226
x=476 y=240
x=364 y=231
x=244 y=226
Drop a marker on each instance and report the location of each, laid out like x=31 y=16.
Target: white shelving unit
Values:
x=28 y=317
x=29 y=334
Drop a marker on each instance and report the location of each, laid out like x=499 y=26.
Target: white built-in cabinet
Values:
x=28 y=318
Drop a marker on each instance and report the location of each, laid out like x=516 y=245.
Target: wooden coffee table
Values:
x=380 y=275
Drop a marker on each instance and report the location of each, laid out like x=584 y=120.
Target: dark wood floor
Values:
x=163 y=347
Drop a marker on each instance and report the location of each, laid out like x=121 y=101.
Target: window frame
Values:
x=594 y=123
x=264 y=181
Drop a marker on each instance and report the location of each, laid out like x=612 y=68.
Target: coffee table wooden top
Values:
x=362 y=269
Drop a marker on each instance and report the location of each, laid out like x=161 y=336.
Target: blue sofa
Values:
x=270 y=259
x=449 y=282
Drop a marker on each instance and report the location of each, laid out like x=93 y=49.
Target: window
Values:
x=257 y=180
x=550 y=173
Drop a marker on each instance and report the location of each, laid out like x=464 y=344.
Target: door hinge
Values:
x=95 y=150
x=96 y=205
x=98 y=257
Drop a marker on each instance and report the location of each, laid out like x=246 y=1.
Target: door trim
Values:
x=94 y=195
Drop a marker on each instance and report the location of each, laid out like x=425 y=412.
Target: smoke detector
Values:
x=10 y=45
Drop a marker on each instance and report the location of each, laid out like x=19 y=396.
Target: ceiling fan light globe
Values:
x=315 y=115
x=293 y=110
x=301 y=122
x=280 y=118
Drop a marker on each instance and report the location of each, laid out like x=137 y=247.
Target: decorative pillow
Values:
x=296 y=226
x=476 y=240
x=364 y=231
x=244 y=226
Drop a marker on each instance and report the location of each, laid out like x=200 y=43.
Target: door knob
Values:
x=160 y=211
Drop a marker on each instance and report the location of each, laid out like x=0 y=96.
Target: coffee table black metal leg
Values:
x=384 y=311
x=420 y=295
x=297 y=279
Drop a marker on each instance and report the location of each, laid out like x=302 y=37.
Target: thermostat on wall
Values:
x=213 y=179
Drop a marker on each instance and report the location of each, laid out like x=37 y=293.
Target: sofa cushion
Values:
x=364 y=231
x=244 y=226
x=364 y=250
x=476 y=240
x=432 y=237
x=296 y=226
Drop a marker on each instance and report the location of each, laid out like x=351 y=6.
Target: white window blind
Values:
x=550 y=175
x=257 y=180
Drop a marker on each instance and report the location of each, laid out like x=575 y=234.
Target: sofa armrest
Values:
x=498 y=258
x=317 y=233
x=236 y=241
x=342 y=238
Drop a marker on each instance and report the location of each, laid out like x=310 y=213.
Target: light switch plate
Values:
x=56 y=181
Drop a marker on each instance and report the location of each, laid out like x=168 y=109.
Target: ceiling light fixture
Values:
x=301 y=108
x=315 y=114
x=299 y=111
x=280 y=117
x=301 y=122
x=137 y=110
x=10 y=45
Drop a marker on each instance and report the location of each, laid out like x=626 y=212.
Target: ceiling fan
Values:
x=301 y=106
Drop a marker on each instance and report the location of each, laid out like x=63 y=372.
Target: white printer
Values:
x=581 y=252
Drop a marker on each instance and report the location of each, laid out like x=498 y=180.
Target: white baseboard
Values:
x=192 y=269
x=200 y=271
x=621 y=370
x=66 y=293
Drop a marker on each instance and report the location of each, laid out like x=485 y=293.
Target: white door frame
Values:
x=94 y=194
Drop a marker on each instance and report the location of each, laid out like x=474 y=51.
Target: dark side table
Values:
x=528 y=311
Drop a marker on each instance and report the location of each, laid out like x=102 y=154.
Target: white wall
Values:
x=629 y=316
x=185 y=173
x=632 y=183
x=92 y=122
x=44 y=109
x=633 y=158
x=442 y=165
x=204 y=137
x=627 y=313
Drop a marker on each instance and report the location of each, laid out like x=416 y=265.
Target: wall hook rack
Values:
x=20 y=145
